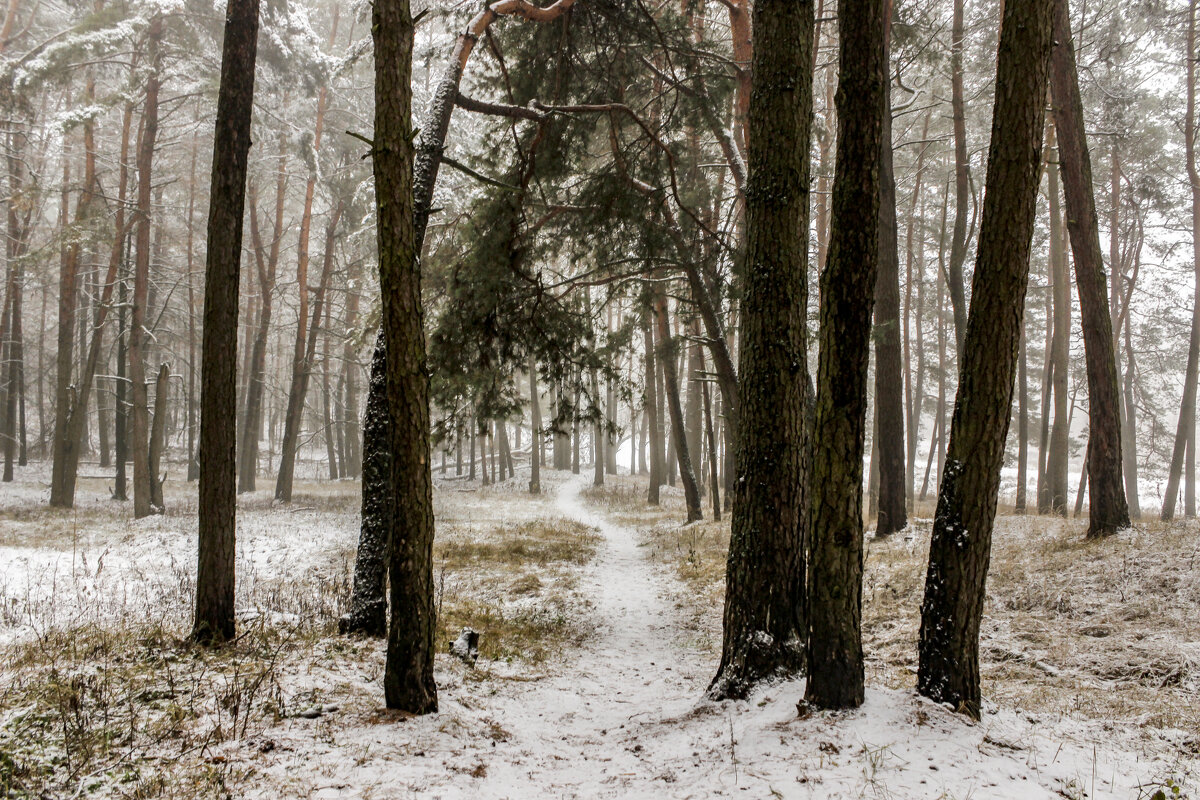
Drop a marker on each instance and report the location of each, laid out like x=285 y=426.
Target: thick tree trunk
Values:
x=1186 y=430
x=214 y=621
x=835 y=520
x=408 y=674
x=960 y=547
x=1109 y=511
x=368 y=599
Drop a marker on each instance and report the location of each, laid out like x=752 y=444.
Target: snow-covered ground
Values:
x=619 y=712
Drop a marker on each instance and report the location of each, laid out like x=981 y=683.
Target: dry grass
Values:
x=123 y=705
x=1106 y=630
x=514 y=584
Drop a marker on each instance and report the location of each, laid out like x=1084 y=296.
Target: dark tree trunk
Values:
x=158 y=434
x=535 y=422
x=654 y=418
x=1108 y=510
x=835 y=522
x=764 y=615
x=714 y=482
x=667 y=355
x=962 y=529
x=408 y=675
x=218 y=379
x=889 y=366
x=368 y=600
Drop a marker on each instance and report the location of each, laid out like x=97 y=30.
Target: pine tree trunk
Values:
x=301 y=364
x=1185 y=432
x=158 y=433
x=408 y=676
x=958 y=243
x=1109 y=511
x=667 y=355
x=653 y=418
x=141 y=282
x=848 y=289
x=214 y=621
x=889 y=366
x=1057 y=455
x=368 y=599
x=535 y=422
x=960 y=547
x=256 y=380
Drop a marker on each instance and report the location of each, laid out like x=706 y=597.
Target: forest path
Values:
x=595 y=725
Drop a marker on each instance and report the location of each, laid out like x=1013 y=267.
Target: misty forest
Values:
x=599 y=398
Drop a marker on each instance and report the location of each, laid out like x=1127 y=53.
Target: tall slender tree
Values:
x=835 y=520
x=214 y=620
x=408 y=673
x=1109 y=511
x=962 y=530
x=1185 y=433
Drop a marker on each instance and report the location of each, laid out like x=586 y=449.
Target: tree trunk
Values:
x=535 y=432
x=653 y=418
x=1022 y=424
x=889 y=372
x=712 y=452
x=1109 y=511
x=962 y=167
x=1057 y=456
x=214 y=620
x=368 y=599
x=408 y=674
x=1186 y=430
x=667 y=355
x=301 y=362
x=256 y=380
x=141 y=281
x=960 y=547
x=848 y=287
x=158 y=432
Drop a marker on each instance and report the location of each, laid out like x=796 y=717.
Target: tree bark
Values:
x=948 y=670
x=1109 y=511
x=763 y=618
x=889 y=372
x=667 y=355
x=535 y=432
x=158 y=433
x=835 y=521
x=1057 y=455
x=654 y=418
x=214 y=621
x=962 y=168
x=141 y=280
x=408 y=674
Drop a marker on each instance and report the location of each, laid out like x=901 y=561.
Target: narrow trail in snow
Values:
x=629 y=676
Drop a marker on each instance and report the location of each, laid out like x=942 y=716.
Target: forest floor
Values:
x=600 y=619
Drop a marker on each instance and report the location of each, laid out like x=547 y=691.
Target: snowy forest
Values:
x=599 y=398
